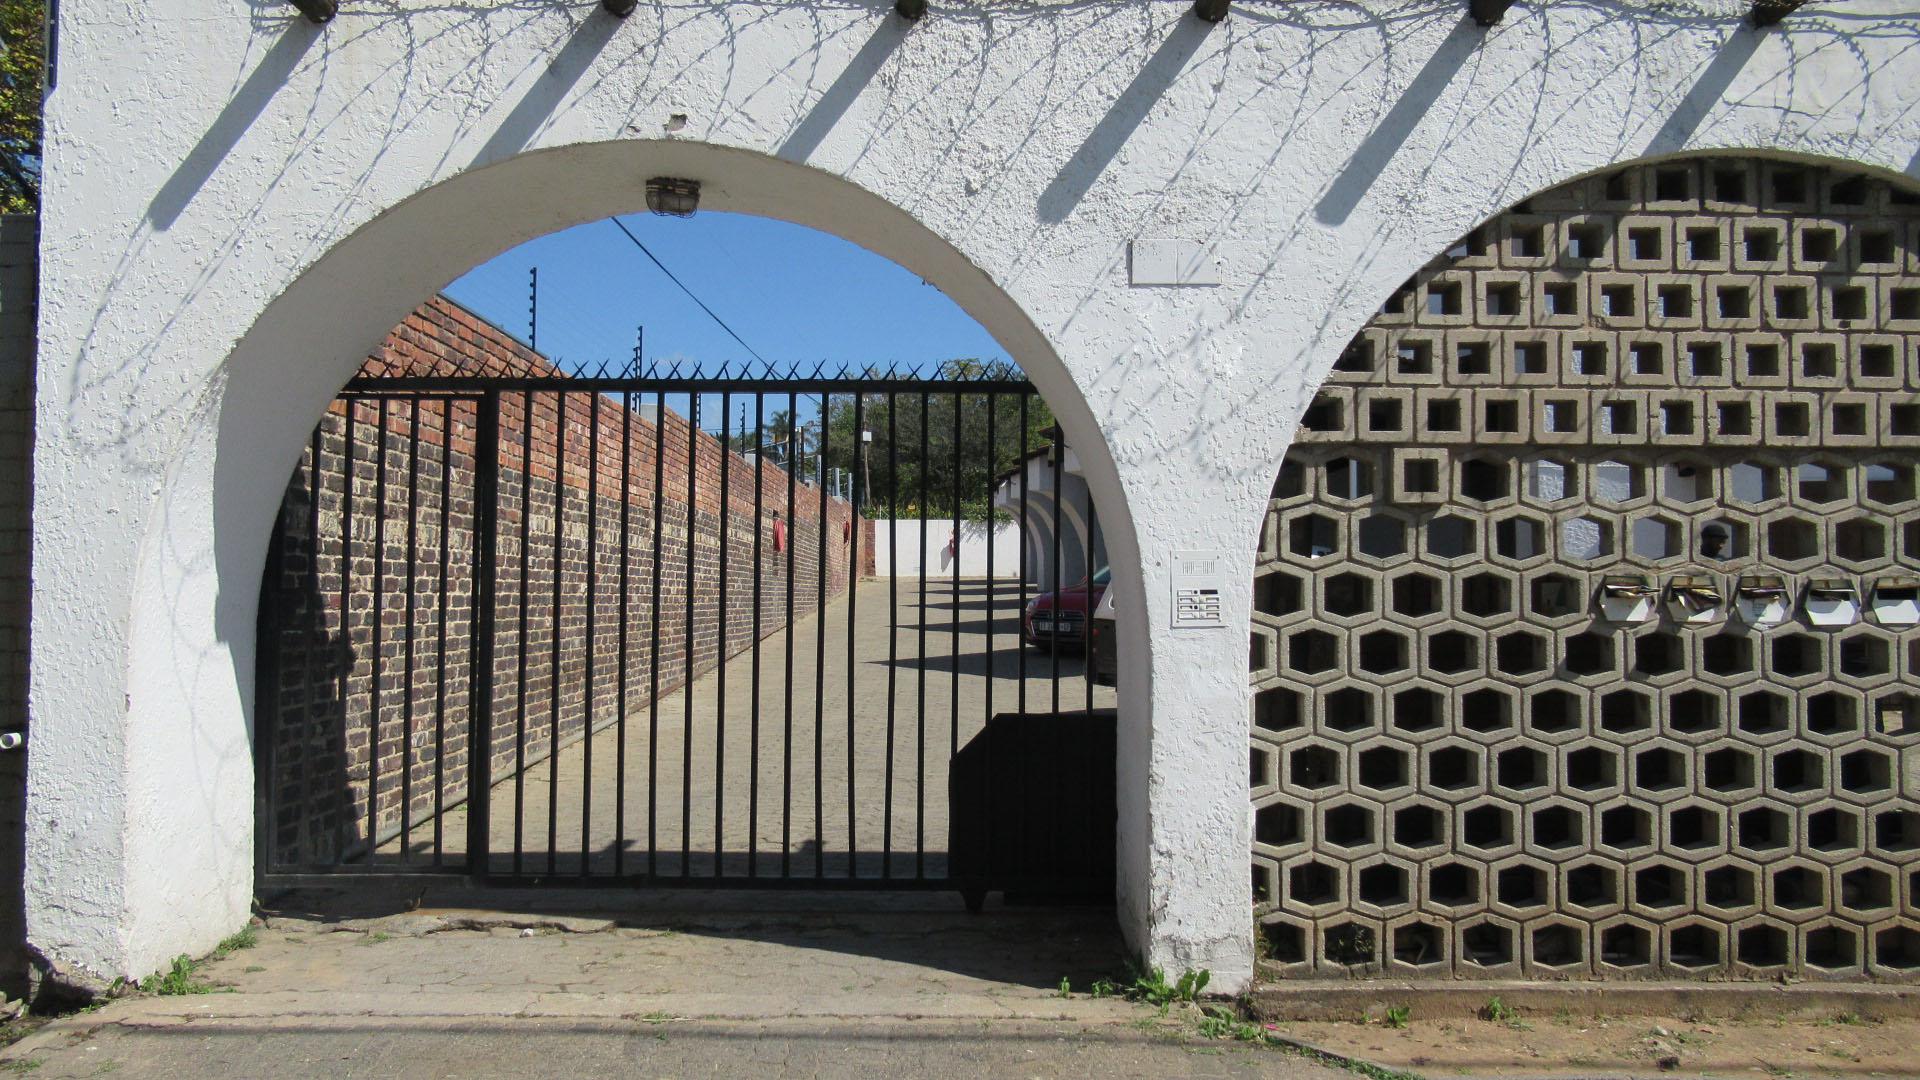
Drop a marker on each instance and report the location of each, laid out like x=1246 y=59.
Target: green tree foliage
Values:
x=22 y=69
x=887 y=474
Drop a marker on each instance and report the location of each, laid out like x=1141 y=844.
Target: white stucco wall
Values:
x=901 y=548
x=239 y=205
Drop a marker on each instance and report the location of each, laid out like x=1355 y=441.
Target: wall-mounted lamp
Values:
x=1210 y=10
x=672 y=196
x=620 y=9
x=318 y=11
x=910 y=10
x=1488 y=12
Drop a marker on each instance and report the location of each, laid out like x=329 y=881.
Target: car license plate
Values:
x=1043 y=626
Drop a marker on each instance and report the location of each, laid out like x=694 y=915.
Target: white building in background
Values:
x=1027 y=492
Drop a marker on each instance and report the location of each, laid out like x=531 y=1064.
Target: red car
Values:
x=1060 y=617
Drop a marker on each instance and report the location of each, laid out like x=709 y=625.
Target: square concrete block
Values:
x=1734 y=417
x=1732 y=302
x=1898 y=303
x=1850 y=303
x=1561 y=417
x=1528 y=241
x=1674 y=302
x=1702 y=244
x=1415 y=357
x=1819 y=245
x=1818 y=361
x=1420 y=476
x=1617 y=301
x=1703 y=360
x=1443 y=416
x=1851 y=418
x=1876 y=361
x=1760 y=244
x=1384 y=413
x=1792 y=419
x=1678 y=418
x=1762 y=361
x=1328 y=417
x=1589 y=358
x=1475 y=357
x=1646 y=359
x=1619 y=418
x=1501 y=417
x=1560 y=299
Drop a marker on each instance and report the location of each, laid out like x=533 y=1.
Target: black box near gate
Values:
x=1031 y=808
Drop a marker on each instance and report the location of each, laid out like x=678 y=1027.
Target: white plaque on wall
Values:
x=1172 y=262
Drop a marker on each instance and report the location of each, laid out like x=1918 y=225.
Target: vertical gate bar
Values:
x=440 y=639
x=853 y=598
x=1086 y=623
x=593 y=594
x=953 y=648
x=893 y=621
x=620 y=665
x=1055 y=845
x=993 y=526
x=796 y=446
x=1026 y=543
x=379 y=619
x=557 y=547
x=1083 y=767
x=993 y=614
x=753 y=743
x=720 y=661
x=920 y=703
x=1058 y=453
x=310 y=765
x=413 y=569
x=480 y=627
x=520 y=644
x=686 y=675
x=820 y=647
x=653 y=631
x=1019 y=821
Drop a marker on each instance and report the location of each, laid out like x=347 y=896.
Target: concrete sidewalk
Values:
x=803 y=985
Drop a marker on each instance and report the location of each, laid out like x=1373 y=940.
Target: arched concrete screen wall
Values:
x=1585 y=634
x=301 y=187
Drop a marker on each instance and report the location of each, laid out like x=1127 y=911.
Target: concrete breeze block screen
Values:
x=1587 y=612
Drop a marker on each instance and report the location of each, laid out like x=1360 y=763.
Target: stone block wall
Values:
x=387 y=701
x=1587 y=631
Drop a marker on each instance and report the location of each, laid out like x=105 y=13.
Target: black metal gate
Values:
x=566 y=629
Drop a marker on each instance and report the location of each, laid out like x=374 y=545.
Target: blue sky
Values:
x=792 y=293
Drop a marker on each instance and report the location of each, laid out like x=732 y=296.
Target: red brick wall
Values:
x=323 y=681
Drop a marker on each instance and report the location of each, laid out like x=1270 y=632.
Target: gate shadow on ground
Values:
x=1032 y=946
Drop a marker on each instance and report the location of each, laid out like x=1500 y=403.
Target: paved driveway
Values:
x=821 y=775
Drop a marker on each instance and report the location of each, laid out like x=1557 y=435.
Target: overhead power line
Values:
x=690 y=294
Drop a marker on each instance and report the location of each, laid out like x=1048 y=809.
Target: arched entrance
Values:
x=626 y=625
x=232 y=470
x=1585 y=632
